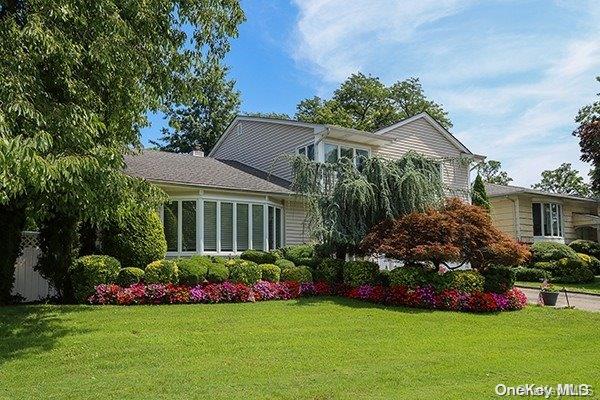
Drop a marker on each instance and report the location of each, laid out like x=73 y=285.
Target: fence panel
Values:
x=28 y=282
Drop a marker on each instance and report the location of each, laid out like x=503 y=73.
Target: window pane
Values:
x=210 y=226
x=302 y=151
x=271 y=228
x=188 y=225
x=331 y=155
x=226 y=226
x=560 y=224
x=536 y=209
x=547 y=220
x=310 y=151
x=346 y=152
x=555 y=230
x=258 y=239
x=242 y=227
x=361 y=156
x=170 y=224
x=277 y=228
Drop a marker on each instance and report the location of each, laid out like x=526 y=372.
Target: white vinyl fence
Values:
x=29 y=283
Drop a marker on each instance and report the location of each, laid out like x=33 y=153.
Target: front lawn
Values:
x=300 y=349
x=589 y=288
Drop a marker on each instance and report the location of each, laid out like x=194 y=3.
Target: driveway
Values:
x=577 y=300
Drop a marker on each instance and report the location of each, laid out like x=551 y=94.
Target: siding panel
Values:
x=295 y=223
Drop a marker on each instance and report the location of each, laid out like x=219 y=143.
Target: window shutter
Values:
x=210 y=226
x=277 y=228
x=226 y=226
x=242 y=227
x=170 y=224
x=188 y=227
x=257 y=227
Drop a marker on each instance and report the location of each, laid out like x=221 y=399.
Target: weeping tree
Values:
x=344 y=202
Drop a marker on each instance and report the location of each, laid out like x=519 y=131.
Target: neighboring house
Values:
x=238 y=197
x=530 y=215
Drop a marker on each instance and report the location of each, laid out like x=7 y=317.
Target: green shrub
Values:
x=592 y=262
x=137 y=241
x=383 y=278
x=296 y=274
x=277 y=254
x=283 y=263
x=570 y=270
x=90 y=271
x=466 y=281
x=588 y=247
x=259 y=257
x=299 y=253
x=419 y=276
x=270 y=272
x=217 y=273
x=330 y=270
x=243 y=271
x=531 y=274
x=411 y=276
x=548 y=266
x=499 y=279
x=161 y=271
x=130 y=276
x=218 y=260
x=192 y=271
x=551 y=251
x=357 y=273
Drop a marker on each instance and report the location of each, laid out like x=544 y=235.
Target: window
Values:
x=331 y=153
x=210 y=226
x=308 y=151
x=347 y=152
x=170 y=223
x=258 y=232
x=226 y=226
x=278 y=228
x=334 y=152
x=361 y=156
x=547 y=219
x=242 y=227
x=271 y=225
x=188 y=225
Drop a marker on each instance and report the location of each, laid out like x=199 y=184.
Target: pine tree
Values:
x=479 y=195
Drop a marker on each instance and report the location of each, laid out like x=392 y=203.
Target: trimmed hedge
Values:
x=283 y=263
x=243 y=271
x=161 y=271
x=525 y=274
x=588 y=247
x=418 y=276
x=130 y=276
x=499 y=279
x=300 y=254
x=330 y=270
x=259 y=257
x=296 y=274
x=383 y=278
x=89 y=271
x=358 y=273
x=466 y=281
x=217 y=273
x=410 y=276
x=570 y=270
x=551 y=251
x=270 y=272
x=192 y=271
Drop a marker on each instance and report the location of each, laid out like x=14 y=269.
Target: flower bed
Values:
x=227 y=292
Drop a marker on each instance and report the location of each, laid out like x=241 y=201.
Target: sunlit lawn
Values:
x=307 y=349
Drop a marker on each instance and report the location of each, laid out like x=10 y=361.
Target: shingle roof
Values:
x=165 y=167
x=502 y=190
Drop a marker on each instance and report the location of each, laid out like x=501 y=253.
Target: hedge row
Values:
x=575 y=263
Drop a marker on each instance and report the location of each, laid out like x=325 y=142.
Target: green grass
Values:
x=590 y=288
x=307 y=349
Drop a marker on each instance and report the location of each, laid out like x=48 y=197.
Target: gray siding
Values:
x=423 y=138
x=262 y=144
x=295 y=223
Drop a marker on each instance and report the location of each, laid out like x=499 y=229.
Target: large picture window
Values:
x=170 y=223
x=242 y=227
x=226 y=226
x=258 y=227
x=547 y=219
x=335 y=152
x=210 y=226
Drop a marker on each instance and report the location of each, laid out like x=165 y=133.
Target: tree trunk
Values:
x=12 y=223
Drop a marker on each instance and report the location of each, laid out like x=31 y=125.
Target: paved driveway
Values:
x=577 y=300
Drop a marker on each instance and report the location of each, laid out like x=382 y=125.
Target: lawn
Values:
x=325 y=348
x=590 y=288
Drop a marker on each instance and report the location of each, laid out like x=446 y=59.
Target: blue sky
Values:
x=512 y=74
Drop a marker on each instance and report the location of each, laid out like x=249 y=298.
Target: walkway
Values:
x=577 y=300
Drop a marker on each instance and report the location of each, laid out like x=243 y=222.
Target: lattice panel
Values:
x=30 y=239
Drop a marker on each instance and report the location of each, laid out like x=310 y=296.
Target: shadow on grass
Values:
x=31 y=329
x=354 y=303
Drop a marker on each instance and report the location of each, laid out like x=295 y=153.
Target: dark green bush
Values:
x=419 y=276
x=411 y=276
x=330 y=270
x=217 y=273
x=531 y=274
x=296 y=274
x=357 y=273
x=588 y=247
x=466 y=281
x=130 y=276
x=137 y=241
x=551 y=251
x=595 y=265
x=192 y=271
x=90 y=271
x=161 y=271
x=548 y=266
x=383 y=278
x=283 y=263
x=243 y=271
x=299 y=254
x=259 y=257
x=570 y=270
x=499 y=279
x=270 y=272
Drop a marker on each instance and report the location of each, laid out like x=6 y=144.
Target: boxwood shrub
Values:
x=283 y=263
x=297 y=274
x=466 y=281
x=89 y=271
x=357 y=273
x=498 y=279
x=411 y=276
x=259 y=257
x=588 y=247
x=130 y=276
x=299 y=254
x=243 y=271
x=217 y=273
x=551 y=251
x=161 y=271
x=570 y=270
x=270 y=272
x=192 y=271
x=383 y=278
x=525 y=274
x=330 y=270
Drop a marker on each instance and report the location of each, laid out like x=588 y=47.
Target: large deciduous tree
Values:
x=563 y=180
x=491 y=172
x=364 y=102
x=588 y=133
x=78 y=78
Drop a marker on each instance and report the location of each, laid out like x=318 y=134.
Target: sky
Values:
x=511 y=74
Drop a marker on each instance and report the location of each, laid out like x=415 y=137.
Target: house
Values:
x=530 y=215
x=238 y=197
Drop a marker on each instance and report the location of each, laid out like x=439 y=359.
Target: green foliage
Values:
x=330 y=270
x=411 y=276
x=549 y=266
x=137 y=240
x=270 y=272
x=525 y=274
x=192 y=271
x=588 y=132
x=479 y=195
x=244 y=271
x=357 y=273
x=563 y=180
x=588 y=247
x=570 y=270
x=418 y=276
x=298 y=253
x=12 y=221
x=87 y=272
x=259 y=257
x=491 y=172
x=283 y=263
x=499 y=279
x=383 y=278
x=130 y=276
x=466 y=281
x=594 y=265
x=217 y=273
x=297 y=274
x=550 y=251
x=161 y=271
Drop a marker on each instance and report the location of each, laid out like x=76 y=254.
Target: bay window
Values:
x=188 y=225
x=547 y=219
x=170 y=222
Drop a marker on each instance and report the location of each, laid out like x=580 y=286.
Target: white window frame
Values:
x=347 y=145
x=561 y=224
x=305 y=148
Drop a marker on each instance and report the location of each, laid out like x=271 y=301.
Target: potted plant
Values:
x=548 y=293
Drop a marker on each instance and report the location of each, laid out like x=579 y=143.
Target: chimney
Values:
x=198 y=152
